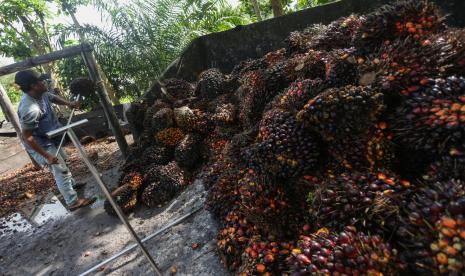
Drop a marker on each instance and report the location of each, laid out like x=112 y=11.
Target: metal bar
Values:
x=62 y=129
x=64 y=134
x=108 y=195
x=131 y=247
x=50 y=57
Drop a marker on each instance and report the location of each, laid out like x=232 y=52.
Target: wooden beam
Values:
x=108 y=109
x=39 y=60
x=12 y=116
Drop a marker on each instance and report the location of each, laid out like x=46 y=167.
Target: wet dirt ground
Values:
x=56 y=242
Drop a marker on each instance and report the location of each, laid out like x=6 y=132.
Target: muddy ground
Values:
x=74 y=242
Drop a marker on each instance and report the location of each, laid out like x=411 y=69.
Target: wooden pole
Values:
x=39 y=60
x=108 y=109
x=10 y=113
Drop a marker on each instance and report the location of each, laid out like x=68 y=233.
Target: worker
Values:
x=37 y=118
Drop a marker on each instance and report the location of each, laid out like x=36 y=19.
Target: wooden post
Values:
x=108 y=109
x=10 y=113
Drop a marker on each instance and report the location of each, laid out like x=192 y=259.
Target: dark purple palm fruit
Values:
x=340 y=112
x=179 y=89
x=347 y=253
x=211 y=84
x=188 y=152
x=284 y=148
x=162 y=184
x=417 y=233
x=298 y=94
x=341 y=68
x=402 y=19
x=367 y=200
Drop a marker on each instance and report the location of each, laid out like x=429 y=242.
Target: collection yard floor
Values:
x=75 y=242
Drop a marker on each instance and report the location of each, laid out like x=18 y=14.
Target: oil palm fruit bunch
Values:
x=381 y=151
x=236 y=148
x=366 y=200
x=341 y=68
x=158 y=119
x=265 y=257
x=417 y=232
x=224 y=194
x=169 y=137
x=188 y=152
x=289 y=150
x=191 y=119
x=266 y=205
x=336 y=35
x=162 y=184
x=225 y=114
x=350 y=153
x=126 y=194
x=338 y=112
x=211 y=84
x=179 y=89
x=298 y=94
x=310 y=65
x=407 y=64
x=433 y=118
x=243 y=67
x=273 y=58
x=449 y=248
x=397 y=20
x=233 y=238
x=298 y=42
x=82 y=86
x=348 y=253
x=157 y=155
x=450 y=165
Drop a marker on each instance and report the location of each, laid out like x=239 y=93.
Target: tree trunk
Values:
x=256 y=9
x=277 y=6
x=82 y=38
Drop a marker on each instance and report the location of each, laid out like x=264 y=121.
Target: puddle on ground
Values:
x=51 y=210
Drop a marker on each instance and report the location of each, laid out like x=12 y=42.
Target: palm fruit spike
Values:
x=179 y=89
x=211 y=84
x=347 y=253
x=266 y=205
x=298 y=94
x=401 y=19
x=169 y=137
x=432 y=119
x=126 y=194
x=188 y=152
x=449 y=248
x=284 y=148
x=336 y=113
x=233 y=238
x=162 y=184
x=223 y=195
x=367 y=200
x=417 y=231
x=265 y=257
x=406 y=64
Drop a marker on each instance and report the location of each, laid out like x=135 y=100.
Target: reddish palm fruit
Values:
x=397 y=20
x=430 y=118
x=368 y=200
x=298 y=94
x=336 y=113
x=429 y=224
x=169 y=137
x=349 y=252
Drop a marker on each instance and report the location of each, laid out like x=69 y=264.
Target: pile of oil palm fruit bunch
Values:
x=341 y=154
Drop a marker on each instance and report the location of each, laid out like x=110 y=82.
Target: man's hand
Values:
x=75 y=105
x=51 y=159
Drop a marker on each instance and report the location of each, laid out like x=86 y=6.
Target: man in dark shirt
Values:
x=37 y=118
